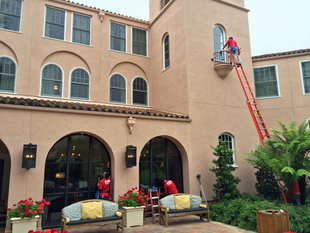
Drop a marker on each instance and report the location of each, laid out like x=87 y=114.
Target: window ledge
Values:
x=268 y=97
x=70 y=42
x=165 y=69
x=7 y=30
x=112 y=50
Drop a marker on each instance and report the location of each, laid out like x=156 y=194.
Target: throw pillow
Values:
x=182 y=202
x=195 y=201
x=168 y=202
x=203 y=206
x=92 y=210
x=119 y=214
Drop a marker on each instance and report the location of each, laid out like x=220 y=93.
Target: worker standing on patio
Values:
x=235 y=50
x=104 y=186
x=169 y=187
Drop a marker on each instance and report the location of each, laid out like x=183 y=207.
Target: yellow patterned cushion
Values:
x=119 y=214
x=203 y=206
x=182 y=202
x=92 y=210
x=67 y=220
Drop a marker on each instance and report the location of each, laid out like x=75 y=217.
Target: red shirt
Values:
x=170 y=187
x=231 y=43
x=104 y=186
x=296 y=187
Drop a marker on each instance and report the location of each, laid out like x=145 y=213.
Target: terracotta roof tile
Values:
x=272 y=55
x=89 y=107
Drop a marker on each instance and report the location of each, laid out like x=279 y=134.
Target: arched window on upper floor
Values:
x=218 y=39
x=79 y=84
x=166 y=52
x=230 y=140
x=139 y=91
x=117 y=89
x=7 y=75
x=51 y=85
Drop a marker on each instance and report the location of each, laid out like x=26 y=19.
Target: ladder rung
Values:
x=154 y=197
x=155 y=205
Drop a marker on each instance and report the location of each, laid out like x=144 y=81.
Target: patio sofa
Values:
x=90 y=213
x=181 y=204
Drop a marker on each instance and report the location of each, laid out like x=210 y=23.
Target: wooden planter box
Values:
x=272 y=221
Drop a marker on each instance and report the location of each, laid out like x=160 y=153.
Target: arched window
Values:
x=79 y=84
x=160 y=158
x=166 y=48
x=139 y=92
x=72 y=167
x=7 y=75
x=117 y=89
x=218 y=37
x=230 y=140
x=51 y=81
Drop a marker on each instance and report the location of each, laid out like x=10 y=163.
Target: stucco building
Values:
x=83 y=83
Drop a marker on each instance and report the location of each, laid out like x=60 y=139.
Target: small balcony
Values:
x=222 y=63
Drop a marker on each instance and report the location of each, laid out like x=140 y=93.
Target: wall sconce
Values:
x=29 y=156
x=131 y=156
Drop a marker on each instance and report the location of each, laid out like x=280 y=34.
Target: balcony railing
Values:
x=222 y=57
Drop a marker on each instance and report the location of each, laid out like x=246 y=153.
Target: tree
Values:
x=285 y=153
x=226 y=184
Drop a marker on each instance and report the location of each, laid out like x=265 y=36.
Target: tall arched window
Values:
x=230 y=140
x=79 y=84
x=51 y=84
x=160 y=158
x=166 y=47
x=117 y=89
x=218 y=39
x=139 y=91
x=7 y=75
x=71 y=170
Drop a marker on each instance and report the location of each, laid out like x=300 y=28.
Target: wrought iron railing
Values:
x=222 y=57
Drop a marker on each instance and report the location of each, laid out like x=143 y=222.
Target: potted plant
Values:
x=25 y=214
x=132 y=204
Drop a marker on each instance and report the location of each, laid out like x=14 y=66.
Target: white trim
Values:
x=89 y=81
x=164 y=52
x=90 y=28
x=115 y=102
x=147 y=104
x=224 y=37
x=232 y=144
x=14 y=91
x=65 y=23
x=302 y=78
x=125 y=36
x=278 y=83
x=147 y=52
x=62 y=81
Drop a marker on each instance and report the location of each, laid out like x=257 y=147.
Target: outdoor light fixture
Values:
x=29 y=156
x=131 y=156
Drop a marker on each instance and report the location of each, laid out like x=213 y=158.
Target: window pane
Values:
x=305 y=66
x=118 y=37
x=78 y=177
x=79 y=84
x=81 y=29
x=51 y=81
x=173 y=153
x=158 y=149
x=139 y=41
x=144 y=175
x=117 y=89
x=55 y=178
x=99 y=153
x=55 y=23
x=265 y=82
x=7 y=74
x=140 y=91
x=166 y=52
x=59 y=152
x=218 y=37
x=175 y=174
x=145 y=154
x=79 y=148
x=10 y=12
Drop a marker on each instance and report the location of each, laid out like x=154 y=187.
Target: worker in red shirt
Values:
x=104 y=186
x=169 y=187
x=232 y=44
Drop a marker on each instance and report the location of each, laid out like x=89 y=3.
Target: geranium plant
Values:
x=27 y=208
x=133 y=198
x=47 y=231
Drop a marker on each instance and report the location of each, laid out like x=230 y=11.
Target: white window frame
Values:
x=3 y=56
x=20 y=18
x=164 y=52
x=224 y=36
x=65 y=23
x=89 y=82
x=110 y=35
x=90 y=28
x=146 y=40
x=302 y=78
x=147 y=94
x=62 y=81
x=277 y=77
x=116 y=102
x=232 y=145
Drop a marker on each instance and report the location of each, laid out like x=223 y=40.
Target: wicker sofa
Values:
x=90 y=213
x=181 y=204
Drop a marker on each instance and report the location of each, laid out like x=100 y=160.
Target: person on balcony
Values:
x=235 y=50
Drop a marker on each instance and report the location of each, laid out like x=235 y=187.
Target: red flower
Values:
x=145 y=196
x=140 y=203
x=8 y=209
x=122 y=203
x=14 y=204
x=43 y=200
x=39 y=208
x=131 y=196
x=133 y=188
x=30 y=198
x=136 y=188
x=35 y=212
x=142 y=190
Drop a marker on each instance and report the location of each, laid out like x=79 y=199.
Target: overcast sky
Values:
x=275 y=25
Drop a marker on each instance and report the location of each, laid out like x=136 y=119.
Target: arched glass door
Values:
x=71 y=170
x=160 y=158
